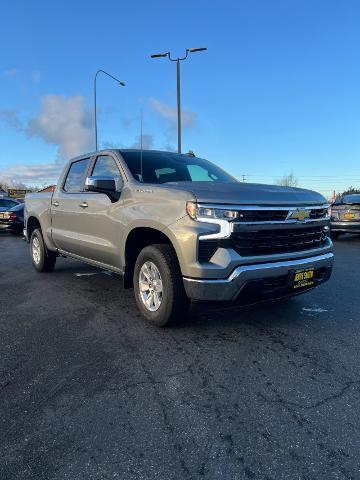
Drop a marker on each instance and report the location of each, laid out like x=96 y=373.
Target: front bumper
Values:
x=345 y=227
x=257 y=276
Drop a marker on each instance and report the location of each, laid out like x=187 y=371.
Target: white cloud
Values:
x=64 y=122
x=109 y=144
x=169 y=114
x=147 y=141
x=32 y=174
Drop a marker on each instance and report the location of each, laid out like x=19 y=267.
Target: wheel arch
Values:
x=31 y=224
x=137 y=239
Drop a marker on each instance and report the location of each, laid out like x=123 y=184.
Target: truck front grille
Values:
x=265 y=242
x=275 y=215
x=262 y=216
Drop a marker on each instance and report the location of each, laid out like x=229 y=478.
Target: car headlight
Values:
x=196 y=211
x=221 y=217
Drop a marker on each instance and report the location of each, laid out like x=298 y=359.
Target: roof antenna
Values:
x=141 y=146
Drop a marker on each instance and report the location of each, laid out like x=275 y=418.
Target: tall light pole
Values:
x=178 y=60
x=95 y=106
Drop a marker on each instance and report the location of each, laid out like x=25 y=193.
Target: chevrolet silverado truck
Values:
x=179 y=228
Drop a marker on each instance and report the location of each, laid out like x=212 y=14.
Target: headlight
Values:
x=197 y=211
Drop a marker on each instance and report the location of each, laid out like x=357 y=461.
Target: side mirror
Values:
x=100 y=184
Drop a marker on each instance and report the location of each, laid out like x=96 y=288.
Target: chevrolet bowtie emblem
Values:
x=299 y=215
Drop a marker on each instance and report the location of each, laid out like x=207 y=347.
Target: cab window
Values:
x=105 y=166
x=75 y=178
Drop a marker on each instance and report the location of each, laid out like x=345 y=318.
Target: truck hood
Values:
x=237 y=193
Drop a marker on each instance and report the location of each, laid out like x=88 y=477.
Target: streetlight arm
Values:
x=192 y=50
x=111 y=76
x=179 y=59
x=158 y=55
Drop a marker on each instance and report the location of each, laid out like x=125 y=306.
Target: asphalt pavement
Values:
x=89 y=391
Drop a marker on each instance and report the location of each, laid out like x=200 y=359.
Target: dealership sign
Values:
x=17 y=193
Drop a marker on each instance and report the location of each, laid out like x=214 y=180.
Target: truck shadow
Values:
x=281 y=312
x=89 y=281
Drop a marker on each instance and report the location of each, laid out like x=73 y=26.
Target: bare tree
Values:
x=289 y=180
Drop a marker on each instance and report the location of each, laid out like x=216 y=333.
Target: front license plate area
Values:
x=303 y=278
x=349 y=216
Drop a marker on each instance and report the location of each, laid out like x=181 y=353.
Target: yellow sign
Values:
x=17 y=193
x=304 y=278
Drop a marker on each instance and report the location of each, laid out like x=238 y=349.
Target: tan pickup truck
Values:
x=177 y=227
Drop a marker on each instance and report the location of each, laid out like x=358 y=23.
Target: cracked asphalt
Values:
x=89 y=391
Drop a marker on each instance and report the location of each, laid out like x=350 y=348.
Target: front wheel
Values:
x=158 y=285
x=43 y=259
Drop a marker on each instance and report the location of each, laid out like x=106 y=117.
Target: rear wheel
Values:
x=43 y=259
x=335 y=235
x=158 y=285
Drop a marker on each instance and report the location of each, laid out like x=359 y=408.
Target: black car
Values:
x=345 y=215
x=12 y=219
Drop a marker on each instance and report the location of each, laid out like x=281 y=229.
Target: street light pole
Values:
x=95 y=100
x=178 y=60
x=178 y=103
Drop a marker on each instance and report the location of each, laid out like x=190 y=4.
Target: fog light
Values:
x=230 y=214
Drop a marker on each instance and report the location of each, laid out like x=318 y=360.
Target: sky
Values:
x=277 y=91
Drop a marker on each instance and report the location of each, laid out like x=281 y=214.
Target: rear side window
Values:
x=75 y=177
x=5 y=203
x=351 y=198
x=105 y=166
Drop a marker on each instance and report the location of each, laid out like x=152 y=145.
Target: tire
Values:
x=335 y=235
x=42 y=258
x=159 y=264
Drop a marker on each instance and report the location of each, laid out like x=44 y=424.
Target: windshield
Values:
x=165 y=167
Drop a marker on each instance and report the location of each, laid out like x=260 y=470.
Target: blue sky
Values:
x=277 y=91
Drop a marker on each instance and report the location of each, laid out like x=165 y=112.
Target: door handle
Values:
x=56 y=203
x=83 y=205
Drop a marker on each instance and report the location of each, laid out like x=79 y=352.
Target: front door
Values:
x=86 y=223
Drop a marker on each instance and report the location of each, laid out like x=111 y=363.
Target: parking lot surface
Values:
x=89 y=391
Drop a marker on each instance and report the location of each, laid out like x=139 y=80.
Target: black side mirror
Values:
x=102 y=185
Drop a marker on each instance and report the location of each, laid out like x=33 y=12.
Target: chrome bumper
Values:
x=229 y=288
x=347 y=226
